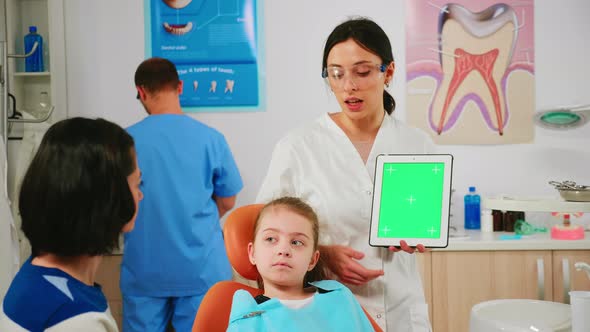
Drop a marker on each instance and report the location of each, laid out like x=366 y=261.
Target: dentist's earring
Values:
x=387 y=84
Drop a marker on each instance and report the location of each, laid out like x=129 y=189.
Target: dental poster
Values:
x=214 y=45
x=470 y=70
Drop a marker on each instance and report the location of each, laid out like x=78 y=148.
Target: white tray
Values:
x=533 y=204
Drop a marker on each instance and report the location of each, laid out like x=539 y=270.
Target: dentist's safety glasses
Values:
x=359 y=76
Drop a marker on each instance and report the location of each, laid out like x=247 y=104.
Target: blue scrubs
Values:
x=176 y=248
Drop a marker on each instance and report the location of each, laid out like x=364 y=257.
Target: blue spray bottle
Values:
x=472 y=209
x=34 y=62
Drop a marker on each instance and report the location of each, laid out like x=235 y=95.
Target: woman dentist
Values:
x=331 y=163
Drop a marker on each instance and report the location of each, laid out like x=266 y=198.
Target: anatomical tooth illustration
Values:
x=229 y=86
x=474 y=78
x=213 y=86
x=494 y=26
x=195 y=85
x=178 y=29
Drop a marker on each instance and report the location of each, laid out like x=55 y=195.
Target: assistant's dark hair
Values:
x=75 y=198
x=156 y=74
x=369 y=36
x=301 y=208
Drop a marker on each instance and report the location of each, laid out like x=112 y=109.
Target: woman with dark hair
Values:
x=80 y=192
x=331 y=165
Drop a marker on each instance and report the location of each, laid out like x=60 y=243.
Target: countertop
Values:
x=478 y=241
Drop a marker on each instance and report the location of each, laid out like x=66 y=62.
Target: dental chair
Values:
x=213 y=314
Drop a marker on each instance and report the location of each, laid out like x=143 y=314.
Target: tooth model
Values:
x=475 y=51
x=178 y=29
x=213 y=86
x=229 y=86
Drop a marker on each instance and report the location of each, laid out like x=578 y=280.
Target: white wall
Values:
x=105 y=43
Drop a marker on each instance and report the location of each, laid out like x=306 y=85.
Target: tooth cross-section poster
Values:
x=470 y=70
x=215 y=46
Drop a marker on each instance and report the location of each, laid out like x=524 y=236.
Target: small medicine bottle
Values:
x=509 y=220
x=498 y=218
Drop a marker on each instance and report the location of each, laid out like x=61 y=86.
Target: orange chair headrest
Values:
x=238 y=231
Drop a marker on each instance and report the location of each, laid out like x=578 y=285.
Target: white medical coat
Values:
x=319 y=164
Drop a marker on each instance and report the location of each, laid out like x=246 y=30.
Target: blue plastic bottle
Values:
x=472 y=210
x=34 y=63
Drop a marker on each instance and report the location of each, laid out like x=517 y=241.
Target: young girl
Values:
x=285 y=252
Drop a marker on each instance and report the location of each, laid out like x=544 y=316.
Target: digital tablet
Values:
x=411 y=200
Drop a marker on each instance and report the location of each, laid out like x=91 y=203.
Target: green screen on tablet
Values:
x=411 y=200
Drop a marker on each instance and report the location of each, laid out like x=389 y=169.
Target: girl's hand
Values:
x=405 y=247
x=343 y=261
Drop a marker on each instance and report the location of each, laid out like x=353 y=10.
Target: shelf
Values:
x=534 y=204
x=32 y=74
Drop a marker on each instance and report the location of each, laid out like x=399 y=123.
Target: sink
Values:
x=518 y=315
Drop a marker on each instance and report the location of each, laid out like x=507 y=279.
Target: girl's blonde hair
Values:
x=302 y=209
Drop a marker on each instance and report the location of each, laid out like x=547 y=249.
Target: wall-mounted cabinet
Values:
x=26 y=87
x=30 y=89
x=28 y=13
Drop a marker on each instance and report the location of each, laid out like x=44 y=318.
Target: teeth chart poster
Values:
x=215 y=46
x=470 y=70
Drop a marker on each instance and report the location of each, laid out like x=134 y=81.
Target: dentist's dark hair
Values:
x=369 y=36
